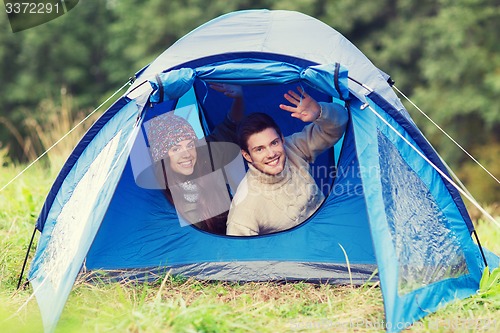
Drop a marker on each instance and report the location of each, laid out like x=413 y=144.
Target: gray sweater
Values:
x=265 y=203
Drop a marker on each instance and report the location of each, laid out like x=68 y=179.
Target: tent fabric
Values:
x=386 y=209
x=77 y=211
x=410 y=267
x=277 y=32
x=255 y=271
x=73 y=158
x=136 y=246
x=326 y=78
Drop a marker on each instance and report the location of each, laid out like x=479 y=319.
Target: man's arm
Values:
x=241 y=222
x=306 y=108
x=322 y=134
x=242 y=219
x=223 y=141
x=235 y=229
x=329 y=123
x=226 y=131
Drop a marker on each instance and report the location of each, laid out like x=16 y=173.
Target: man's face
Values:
x=183 y=157
x=266 y=151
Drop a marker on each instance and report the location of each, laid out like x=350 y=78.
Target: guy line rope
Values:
x=63 y=137
x=462 y=191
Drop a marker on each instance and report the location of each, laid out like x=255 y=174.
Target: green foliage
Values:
x=443 y=54
x=490 y=282
x=477 y=180
x=460 y=70
x=176 y=304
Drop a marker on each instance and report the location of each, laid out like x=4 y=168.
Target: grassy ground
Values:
x=180 y=305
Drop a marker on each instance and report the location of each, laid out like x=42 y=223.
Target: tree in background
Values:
x=443 y=54
x=88 y=53
x=64 y=57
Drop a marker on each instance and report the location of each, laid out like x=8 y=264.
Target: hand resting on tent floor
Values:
x=278 y=191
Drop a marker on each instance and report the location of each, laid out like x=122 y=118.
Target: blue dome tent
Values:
x=389 y=206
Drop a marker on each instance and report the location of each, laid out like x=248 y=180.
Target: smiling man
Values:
x=278 y=191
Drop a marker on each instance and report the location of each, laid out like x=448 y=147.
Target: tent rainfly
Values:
x=390 y=213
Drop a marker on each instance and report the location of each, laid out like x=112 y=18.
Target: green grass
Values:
x=173 y=304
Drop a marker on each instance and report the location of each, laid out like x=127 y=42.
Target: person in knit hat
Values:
x=169 y=136
x=193 y=182
x=278 y=191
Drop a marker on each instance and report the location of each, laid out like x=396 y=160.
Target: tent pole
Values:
x=480 y=247
x=26 y=258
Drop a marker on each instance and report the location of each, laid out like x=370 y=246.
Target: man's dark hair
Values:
x=254 y=123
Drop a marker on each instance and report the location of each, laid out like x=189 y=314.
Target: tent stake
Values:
x=26 y=258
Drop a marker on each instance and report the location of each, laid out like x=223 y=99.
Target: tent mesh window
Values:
x=427 y=249
x=69 y=227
